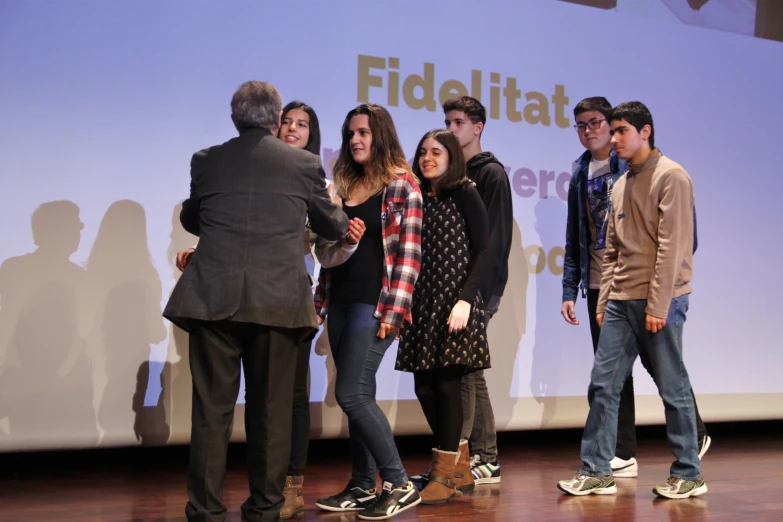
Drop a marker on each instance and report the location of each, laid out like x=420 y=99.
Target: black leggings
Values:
x=440 y=395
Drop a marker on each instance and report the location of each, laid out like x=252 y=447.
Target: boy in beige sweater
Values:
x=642 y=306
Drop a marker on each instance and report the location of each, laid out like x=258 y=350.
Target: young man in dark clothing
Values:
x=465 y=118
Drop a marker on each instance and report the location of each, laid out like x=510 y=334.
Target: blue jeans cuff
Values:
x=397 y=480
x=364 y=484
x=696 y=479
x=588 y=473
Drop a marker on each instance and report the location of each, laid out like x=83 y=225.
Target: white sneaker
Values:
x=704 y=445
x=624 y=468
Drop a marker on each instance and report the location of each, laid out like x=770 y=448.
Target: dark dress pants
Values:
x=268 y=355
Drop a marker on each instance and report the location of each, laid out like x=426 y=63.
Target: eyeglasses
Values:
x=593 y=124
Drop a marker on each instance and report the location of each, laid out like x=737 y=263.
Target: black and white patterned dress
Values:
x=451 y=269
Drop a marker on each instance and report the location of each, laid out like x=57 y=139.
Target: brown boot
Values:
x=294 y=501
x=463 y=475
x=441 y=487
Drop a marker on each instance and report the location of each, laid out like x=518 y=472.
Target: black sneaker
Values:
x=349 y=499
x=391 y=502
x=421 y=481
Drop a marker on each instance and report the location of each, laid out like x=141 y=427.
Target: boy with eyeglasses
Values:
x=642 y=307
x=589 y=204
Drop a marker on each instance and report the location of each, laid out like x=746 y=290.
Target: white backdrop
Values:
x=103 y=103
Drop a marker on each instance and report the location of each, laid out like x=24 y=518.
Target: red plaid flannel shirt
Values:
x=402 y=219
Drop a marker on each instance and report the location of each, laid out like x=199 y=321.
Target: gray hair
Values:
x=256 y=105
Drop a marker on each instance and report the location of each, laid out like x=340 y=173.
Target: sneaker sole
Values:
x=706 y=447
x=337 y=509
x=488 y=480
x=696 y=492
x=597 y=491
x=416 y=502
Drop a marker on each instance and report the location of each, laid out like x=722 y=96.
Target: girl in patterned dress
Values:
x=447 y=337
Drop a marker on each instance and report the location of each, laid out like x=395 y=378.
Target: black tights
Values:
x=440 y=395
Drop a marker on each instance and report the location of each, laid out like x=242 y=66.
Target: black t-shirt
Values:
x=360 y=278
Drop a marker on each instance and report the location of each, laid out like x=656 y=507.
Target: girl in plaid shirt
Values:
x=367 y=295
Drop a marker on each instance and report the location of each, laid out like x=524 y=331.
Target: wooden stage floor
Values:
x=744 y=474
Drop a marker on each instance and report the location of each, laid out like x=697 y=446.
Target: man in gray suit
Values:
x=245 y=297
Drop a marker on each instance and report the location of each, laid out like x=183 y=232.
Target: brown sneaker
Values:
x=294 y=501
x=463 y=475
x=441 y=487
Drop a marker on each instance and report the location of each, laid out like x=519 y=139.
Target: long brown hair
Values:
x=386 y=161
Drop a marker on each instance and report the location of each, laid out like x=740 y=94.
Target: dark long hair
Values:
x=387 y=159
x=456 y=173
x=314 y=141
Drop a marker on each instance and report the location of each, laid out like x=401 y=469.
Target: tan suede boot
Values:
x=441 y=487
x=294 y=501
x=463 y=475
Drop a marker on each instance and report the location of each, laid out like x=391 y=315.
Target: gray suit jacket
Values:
x=249 y=199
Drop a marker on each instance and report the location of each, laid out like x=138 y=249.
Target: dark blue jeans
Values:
x=623 y=337
x=358 y=353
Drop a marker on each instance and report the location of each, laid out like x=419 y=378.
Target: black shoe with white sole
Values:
x=349 y=499
x=391 y=502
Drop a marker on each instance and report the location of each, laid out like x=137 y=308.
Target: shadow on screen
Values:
x=548 y=350
x=506 y=330
x=124 y=292
x=176 y=383
x=150 y=425
x=46 y=387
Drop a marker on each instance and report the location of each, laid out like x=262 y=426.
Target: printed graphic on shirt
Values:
x=599 y=200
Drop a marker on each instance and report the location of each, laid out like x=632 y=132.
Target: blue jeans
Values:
x=623 y=337
x=358 y=353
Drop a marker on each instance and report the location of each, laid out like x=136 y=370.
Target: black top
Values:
x=492 y=184
x=469 y=204
x=359 y=280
